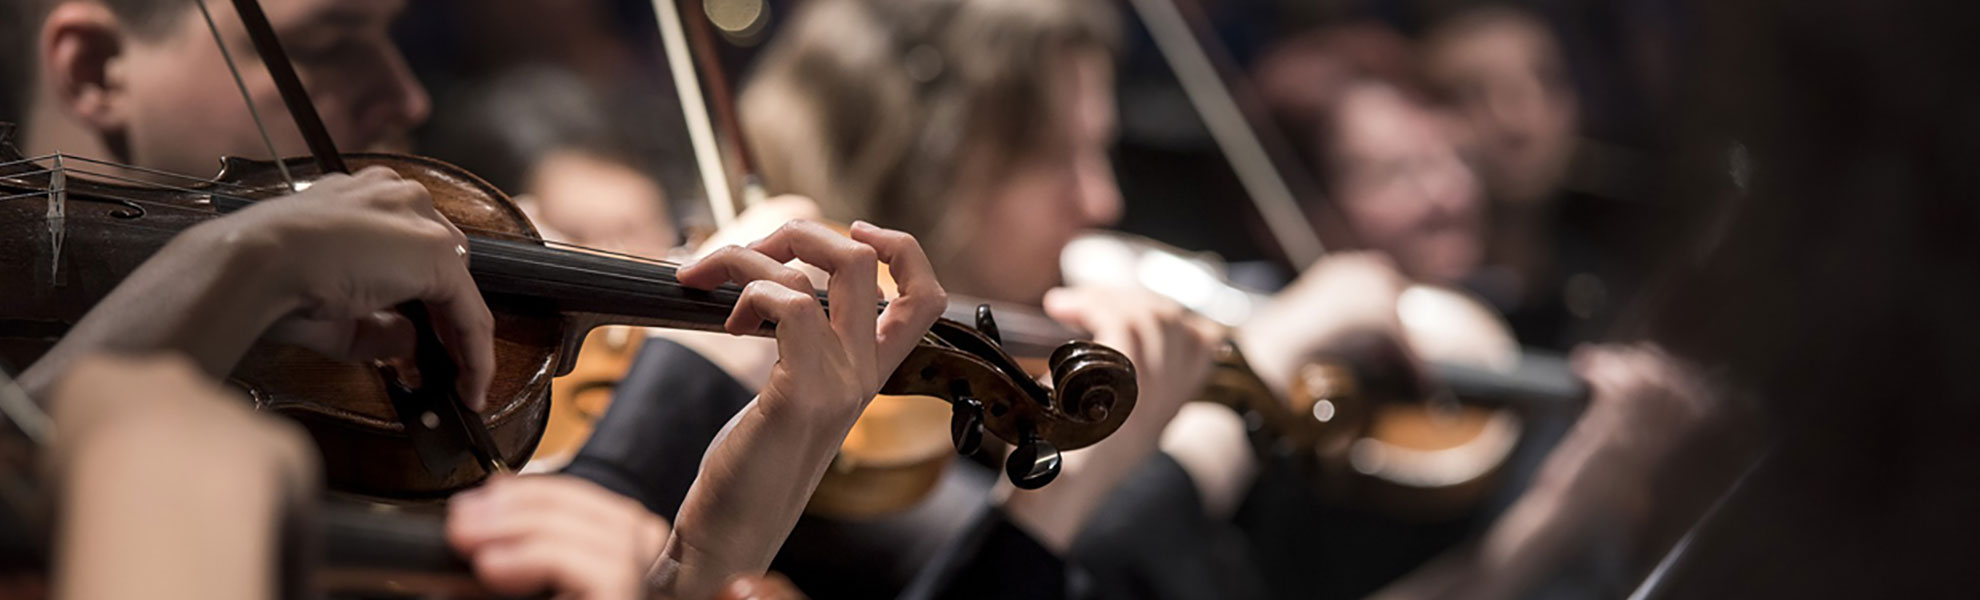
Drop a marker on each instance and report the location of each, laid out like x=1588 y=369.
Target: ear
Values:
x=80 y=47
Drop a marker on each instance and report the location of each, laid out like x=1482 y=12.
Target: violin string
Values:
x=236 y=186
x=243 y=188
x=44 y=190
x=116 y=165
x=36 y=193
x=665 y=272
x=112 y=177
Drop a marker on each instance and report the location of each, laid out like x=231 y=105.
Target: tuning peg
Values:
x=987 y=324
x=1034 y=463
x=966 y=425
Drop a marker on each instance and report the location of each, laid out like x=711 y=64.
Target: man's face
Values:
x=1402 y=185
x=1505 y=76
x=185 y=111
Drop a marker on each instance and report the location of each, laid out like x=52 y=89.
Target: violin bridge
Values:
x=57 y=218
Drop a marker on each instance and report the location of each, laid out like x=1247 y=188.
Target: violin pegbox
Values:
x=1092 y=393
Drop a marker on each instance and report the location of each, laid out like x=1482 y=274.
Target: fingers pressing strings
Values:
x=855 y=271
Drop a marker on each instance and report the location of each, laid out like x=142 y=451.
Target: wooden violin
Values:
x=544 y=300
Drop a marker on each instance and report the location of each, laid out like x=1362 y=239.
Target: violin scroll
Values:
x=1092 y=393
x=1089 y=379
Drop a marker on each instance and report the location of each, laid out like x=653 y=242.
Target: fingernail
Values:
x=861 y=224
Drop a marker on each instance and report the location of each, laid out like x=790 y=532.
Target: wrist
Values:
x=250 y=262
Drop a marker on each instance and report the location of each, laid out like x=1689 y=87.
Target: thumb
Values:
x=1068 y=306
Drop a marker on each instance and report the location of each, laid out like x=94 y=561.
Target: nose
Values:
x=1099 y=199
x=1449 y=186
x=395 y=102
x=413 y=105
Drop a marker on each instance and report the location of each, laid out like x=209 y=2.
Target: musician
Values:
x=1570 y=239
x=141 y=83
x=1390 y=158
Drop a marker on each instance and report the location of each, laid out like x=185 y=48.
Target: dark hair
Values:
x=868 y=105
x=149 y=18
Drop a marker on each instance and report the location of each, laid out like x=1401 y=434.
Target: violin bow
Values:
x=438 y=422
x=701 y=129
x=1262 y=161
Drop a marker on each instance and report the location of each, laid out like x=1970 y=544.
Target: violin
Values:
x=1366 y=430
x=544 y=299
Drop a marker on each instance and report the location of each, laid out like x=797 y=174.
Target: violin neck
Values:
x=620 y=290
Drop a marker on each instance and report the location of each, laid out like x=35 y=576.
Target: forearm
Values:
x=133 y=527
x=207 y=295
x=754 y=484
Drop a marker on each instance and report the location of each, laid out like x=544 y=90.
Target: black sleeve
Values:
x=999 y=560
x=664 y=415
x=673 y=402
x=1151 y=540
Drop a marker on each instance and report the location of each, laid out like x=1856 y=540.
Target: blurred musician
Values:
x=1391 y=160
x=1570 y=241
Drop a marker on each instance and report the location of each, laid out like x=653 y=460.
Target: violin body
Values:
x=1363 y=433
x=107 y=230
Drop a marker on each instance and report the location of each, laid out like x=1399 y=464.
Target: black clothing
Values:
x=1152 y=540
x=672 y=404
x=666 y=411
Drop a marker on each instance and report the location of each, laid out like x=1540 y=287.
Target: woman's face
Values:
x=1405 y=191
x=1023 y=217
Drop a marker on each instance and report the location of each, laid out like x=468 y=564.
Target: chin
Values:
x=395 y=145
x=1444 y=266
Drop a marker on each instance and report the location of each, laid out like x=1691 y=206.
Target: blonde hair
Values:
x=874 y=107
